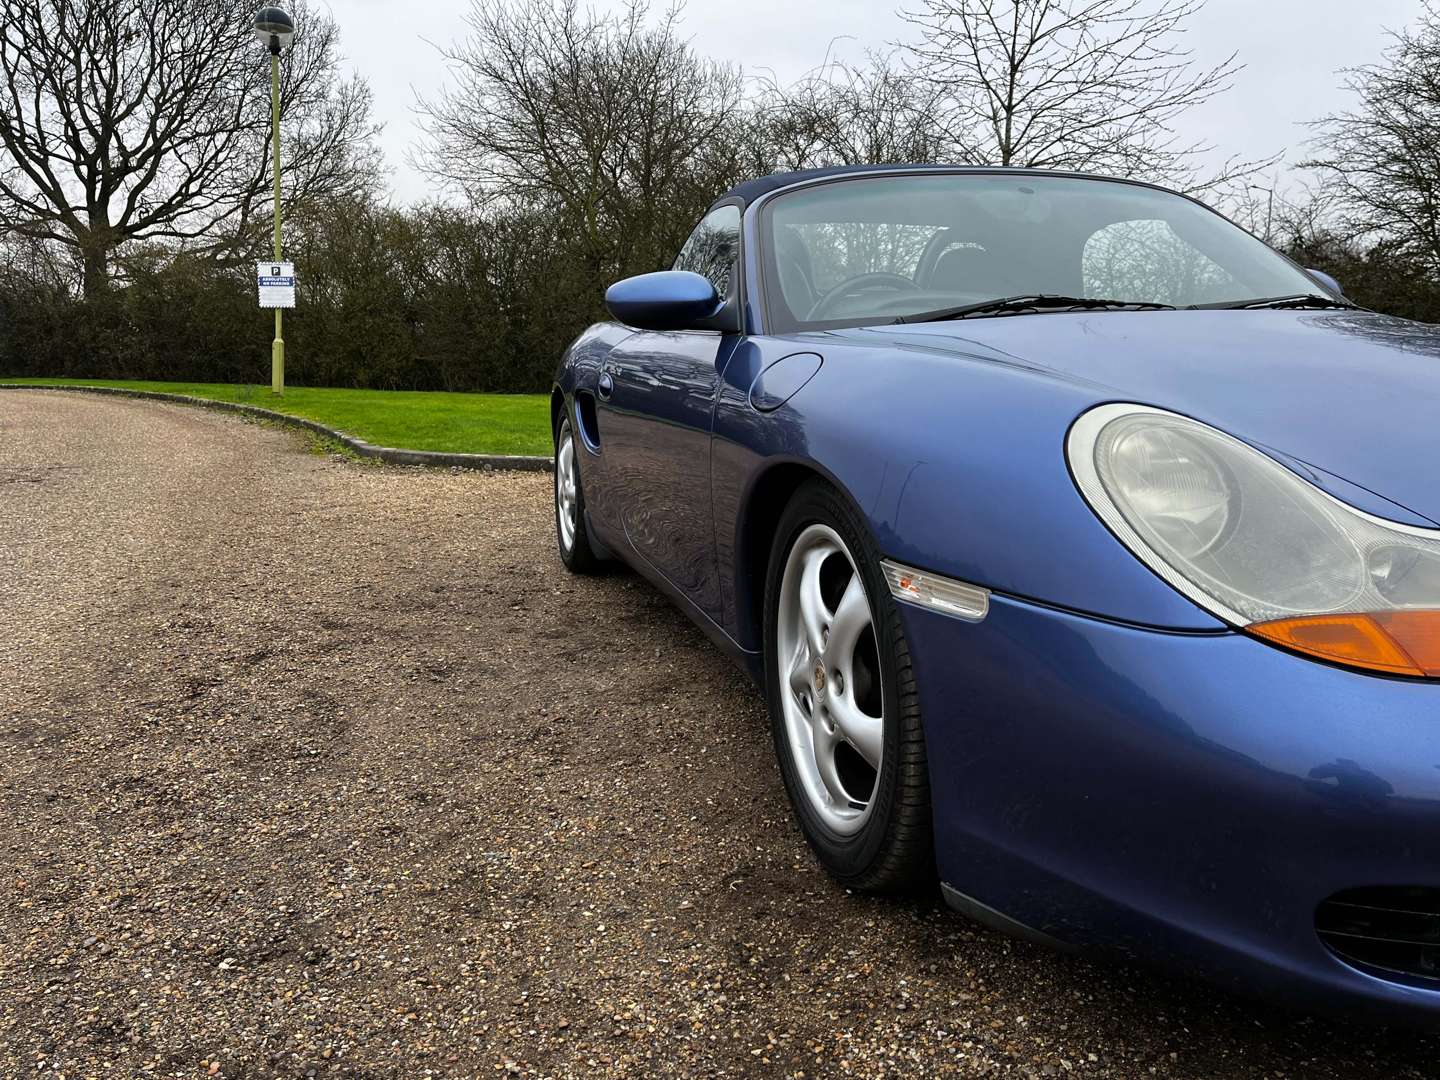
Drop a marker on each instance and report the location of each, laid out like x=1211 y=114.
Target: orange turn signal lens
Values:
x=1396 y=642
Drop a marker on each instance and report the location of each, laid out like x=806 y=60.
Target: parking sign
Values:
x=277 y=284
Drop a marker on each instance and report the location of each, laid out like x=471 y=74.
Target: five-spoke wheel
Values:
x=843 y=707
x=571 y=533
x=567 y=489
x=834 y=710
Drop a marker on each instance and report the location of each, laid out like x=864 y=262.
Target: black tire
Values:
x=579 y=555
x=894 y=850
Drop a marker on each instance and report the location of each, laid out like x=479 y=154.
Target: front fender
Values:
x=958 y=464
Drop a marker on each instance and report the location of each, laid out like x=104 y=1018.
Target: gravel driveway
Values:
x=311 y=767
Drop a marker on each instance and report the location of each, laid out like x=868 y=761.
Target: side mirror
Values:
x=1326 y=280
x=667 y=300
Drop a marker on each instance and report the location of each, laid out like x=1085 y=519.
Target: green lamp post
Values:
x=276 y=29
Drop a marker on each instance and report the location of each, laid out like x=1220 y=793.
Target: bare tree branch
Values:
x=128 y=120
x=1381 y=160
x=609 y=118
x=1089 y=85
x=843 y=114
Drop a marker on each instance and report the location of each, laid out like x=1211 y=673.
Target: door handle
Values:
x=606 y=386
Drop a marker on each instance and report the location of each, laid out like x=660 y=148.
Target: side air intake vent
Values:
x=1395 y=929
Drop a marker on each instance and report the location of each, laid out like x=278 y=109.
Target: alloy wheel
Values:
x=830 y=685
x=566 y=488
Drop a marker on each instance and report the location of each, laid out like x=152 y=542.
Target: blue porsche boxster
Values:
x=1085 y=548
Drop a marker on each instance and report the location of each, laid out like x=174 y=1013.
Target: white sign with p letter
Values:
x=277 y=284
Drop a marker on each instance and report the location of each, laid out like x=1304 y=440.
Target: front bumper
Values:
x=1188 y=799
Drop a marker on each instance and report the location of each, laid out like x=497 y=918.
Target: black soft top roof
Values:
x=749 y=191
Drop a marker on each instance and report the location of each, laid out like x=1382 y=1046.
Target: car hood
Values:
x=1353 y=394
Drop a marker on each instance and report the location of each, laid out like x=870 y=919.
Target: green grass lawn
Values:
x=410 y=419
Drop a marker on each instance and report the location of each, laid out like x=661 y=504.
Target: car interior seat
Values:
x=797 y=275
x=968 y=271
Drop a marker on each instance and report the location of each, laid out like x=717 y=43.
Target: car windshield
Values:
x=876 y=249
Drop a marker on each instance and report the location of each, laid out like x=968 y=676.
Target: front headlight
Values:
x=1257 y=546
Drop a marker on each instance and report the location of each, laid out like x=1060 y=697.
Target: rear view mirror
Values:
x=1326 y=280
x=667 y=300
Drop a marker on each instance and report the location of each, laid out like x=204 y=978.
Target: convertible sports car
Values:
x=1085 y=547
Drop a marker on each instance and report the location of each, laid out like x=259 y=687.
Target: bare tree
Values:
x=1091 y=85
x=127 y=120
x=1381 y=160
x=608 y=117
x=845 y=114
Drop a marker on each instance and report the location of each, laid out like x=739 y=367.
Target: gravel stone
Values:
x=316 y=768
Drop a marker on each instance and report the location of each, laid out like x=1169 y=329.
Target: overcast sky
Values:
x=1291 y=49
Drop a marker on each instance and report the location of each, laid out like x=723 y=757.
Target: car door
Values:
x=657 y=401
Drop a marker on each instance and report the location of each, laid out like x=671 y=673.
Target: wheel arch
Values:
x=770 y=493
x=557 y=410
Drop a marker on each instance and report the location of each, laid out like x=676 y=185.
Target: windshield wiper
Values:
x=1298 y=300
x=1033 y=303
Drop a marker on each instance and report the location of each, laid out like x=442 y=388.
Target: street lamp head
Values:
x=275 y=28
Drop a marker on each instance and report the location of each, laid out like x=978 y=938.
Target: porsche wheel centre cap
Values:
x=819 y=677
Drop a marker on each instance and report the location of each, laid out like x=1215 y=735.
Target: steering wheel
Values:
x=896 y=282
